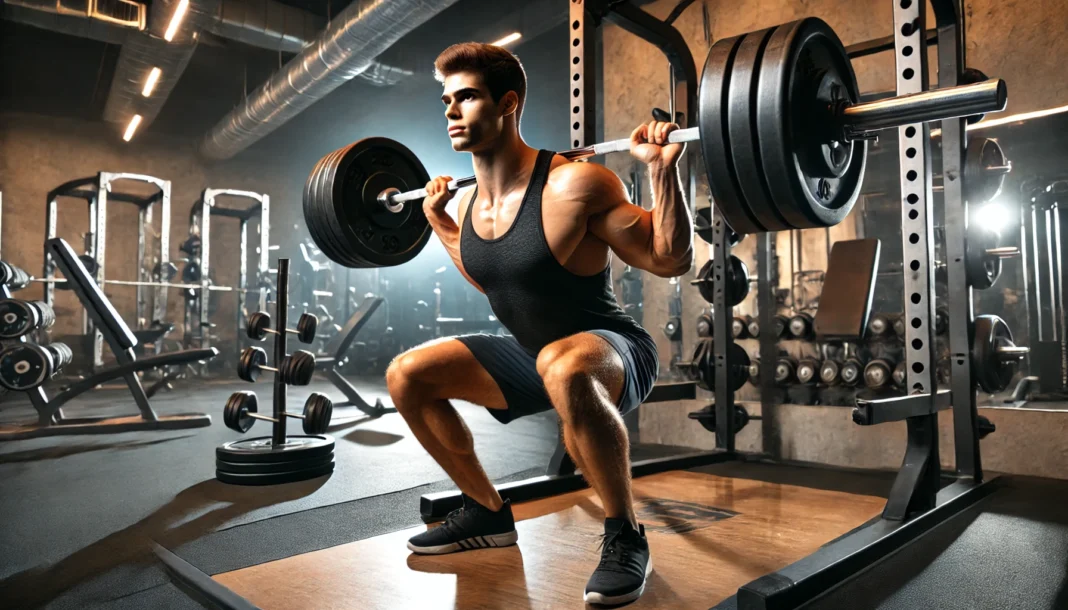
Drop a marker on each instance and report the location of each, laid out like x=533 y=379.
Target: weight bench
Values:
x=51 y=419
x=334 y=355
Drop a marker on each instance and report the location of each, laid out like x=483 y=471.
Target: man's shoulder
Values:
x=587 y=182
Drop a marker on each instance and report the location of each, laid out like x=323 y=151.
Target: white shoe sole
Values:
x=477 y=542
x=611 y=600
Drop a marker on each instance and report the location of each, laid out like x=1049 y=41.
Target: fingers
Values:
x=655 y=132
x=638 y=136
x=438 y=186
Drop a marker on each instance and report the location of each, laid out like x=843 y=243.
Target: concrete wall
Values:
x=1010 y=40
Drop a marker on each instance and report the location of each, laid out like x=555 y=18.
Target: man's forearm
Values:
x=447 y=231
x=672 y=223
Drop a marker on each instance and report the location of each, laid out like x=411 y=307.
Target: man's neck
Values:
x=504 y=167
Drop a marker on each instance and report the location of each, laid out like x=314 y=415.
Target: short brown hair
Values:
x=500 y=70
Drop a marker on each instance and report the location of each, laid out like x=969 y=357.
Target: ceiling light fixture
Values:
x=150 y=82
x=514 y=36
x=132 y=127
x=176 y=20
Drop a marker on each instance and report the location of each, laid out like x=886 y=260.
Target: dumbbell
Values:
x=13 y=277
x=25 y=366
x=707 y=416
x=780 y=324
x=704 y=325
x=296 y=369
x=18 y=317
x=878 y=374
x=801 y=325
x=259 y=325
x=983 y=253
x=851 y=372
x=879 y=325
x=740 y=328
x=901 y=375
x=900 y=329
x=241 y=412
x=807 y=370
x=754 y=372
x=830 y=372
x=753 y=326
x=785 y=370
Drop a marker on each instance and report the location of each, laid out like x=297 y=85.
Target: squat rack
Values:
x=200 y=222
x=96 y=191
x=916 y=503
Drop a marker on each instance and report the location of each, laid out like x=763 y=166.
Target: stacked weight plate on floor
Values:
x=342 y=211
x=258 y=461
x=775 y=156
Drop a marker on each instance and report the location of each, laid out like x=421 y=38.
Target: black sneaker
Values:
x=625 y=563
x=472 y=527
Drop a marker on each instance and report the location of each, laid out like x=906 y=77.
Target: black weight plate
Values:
x=16 y=318
x=381 y=237
x=737 y=281
x=327 y=203
x=309 y=204
x=240 y=468
x=318 y=214
x=745 y=148
x=991 y=373
x=738 y=361
x=705 y=285
x=980 y=184
x=981 y=269
x=260 y=449
x=326 y=218
x=274 y=478
x=715 y=145
x=802 y=61
x=24 y=366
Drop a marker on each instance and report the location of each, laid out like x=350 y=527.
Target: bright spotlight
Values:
x=993 y=215
x=132 y=127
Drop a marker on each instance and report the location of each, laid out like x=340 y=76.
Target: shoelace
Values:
x=615 y=554
x=452 y=519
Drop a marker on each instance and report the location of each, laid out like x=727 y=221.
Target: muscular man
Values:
x=536 y=235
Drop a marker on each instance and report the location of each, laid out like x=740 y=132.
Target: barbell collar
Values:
x=925 y=107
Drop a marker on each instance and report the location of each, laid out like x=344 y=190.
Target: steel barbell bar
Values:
x=161 y=285
x=855 y=121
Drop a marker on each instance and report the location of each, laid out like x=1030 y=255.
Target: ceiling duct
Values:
x=81 y=18
x=363 y=30
x=142 y=51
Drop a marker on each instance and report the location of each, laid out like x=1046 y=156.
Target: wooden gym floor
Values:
x=709 y=535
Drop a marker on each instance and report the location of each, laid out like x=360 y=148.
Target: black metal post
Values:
x=949 y=15
x=278 y=436
x=767 y=282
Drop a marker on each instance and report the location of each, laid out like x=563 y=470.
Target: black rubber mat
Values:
x=1009 y=551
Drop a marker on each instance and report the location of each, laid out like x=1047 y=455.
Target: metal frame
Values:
x=335 y=355
x=51 y=421
x=200 y=216
x=96 y=190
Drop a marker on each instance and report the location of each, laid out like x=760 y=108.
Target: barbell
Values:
x=781 y=129
x=62 y=284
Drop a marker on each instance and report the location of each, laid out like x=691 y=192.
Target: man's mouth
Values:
x=455 y=130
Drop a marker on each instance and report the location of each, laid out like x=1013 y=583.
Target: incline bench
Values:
x=52 y=421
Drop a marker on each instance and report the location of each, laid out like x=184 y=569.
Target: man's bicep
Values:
x=628 y=231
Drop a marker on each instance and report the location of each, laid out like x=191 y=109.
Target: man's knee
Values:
x=406 y=372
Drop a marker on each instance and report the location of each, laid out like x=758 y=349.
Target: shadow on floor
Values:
x=196 y=511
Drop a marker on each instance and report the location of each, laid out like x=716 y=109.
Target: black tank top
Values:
x=535 y=297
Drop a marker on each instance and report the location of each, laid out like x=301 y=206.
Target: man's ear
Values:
x=509 y=103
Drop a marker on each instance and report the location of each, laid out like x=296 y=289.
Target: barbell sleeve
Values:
x=855 y=120
x=925 y=107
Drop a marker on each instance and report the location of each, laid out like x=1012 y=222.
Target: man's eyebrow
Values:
x=464 y=90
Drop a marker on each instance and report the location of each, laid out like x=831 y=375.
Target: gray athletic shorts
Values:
x=515 y=371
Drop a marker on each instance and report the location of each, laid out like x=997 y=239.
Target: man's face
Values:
x=474 y=119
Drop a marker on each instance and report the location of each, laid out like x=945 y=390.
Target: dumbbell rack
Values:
x=279 y=458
